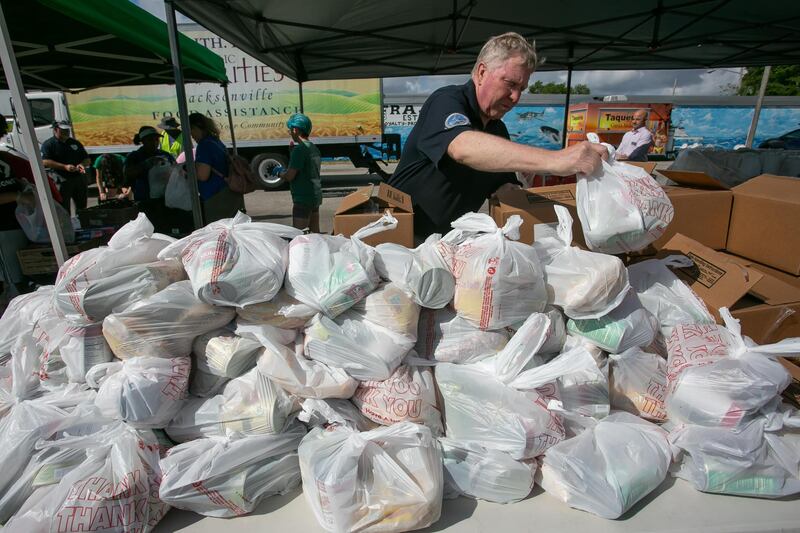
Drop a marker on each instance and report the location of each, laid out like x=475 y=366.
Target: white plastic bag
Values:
x=223 y=353
x=389 y=307
x=718 y=378
x=158 y=175
x=446 y=337
x=282 y=311
x=498 y=281
x=235 y=262
x=334 y=412
x=495 y=403
x=178 y=194
x=621 y=208
x=126 y=285
x=421 y=272
x=670 y=300
x=585 y=390
x=30 y=216
x=39 y=418
x=557 y=336
x=760 y=459
x=250 y=404
x=627 y=326
x=134 y=244
x=230 y=476
x=21 y=315
x=44 y=470
x=83 y=347
x=144 y=392
x=116 y=485
x=408 y=395
x=303 y=377
x=584 y=284
x=330 y=274
x=638 y=383
x=163 y=325
x=388 y=479
x=477 y=472
x=362 y=349
x=609 y=467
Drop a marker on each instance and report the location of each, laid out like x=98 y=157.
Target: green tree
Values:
x=783 y=81
x=558 y=88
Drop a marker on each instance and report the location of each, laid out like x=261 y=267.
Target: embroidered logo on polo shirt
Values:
x=455 y=119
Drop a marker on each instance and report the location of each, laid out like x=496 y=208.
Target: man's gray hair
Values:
x=502 y=47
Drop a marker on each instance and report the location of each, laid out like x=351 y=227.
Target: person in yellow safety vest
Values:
x=171 y=140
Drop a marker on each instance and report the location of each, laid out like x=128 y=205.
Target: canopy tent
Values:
x=365 y=39
x=67 y=45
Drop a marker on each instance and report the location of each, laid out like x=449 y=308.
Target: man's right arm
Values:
x=490 y=153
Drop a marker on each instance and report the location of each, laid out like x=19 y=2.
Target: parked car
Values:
x=787 y=141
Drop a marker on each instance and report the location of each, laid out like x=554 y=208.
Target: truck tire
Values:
x=261 y=164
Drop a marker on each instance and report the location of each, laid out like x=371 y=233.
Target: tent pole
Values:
x=183 y=111
x=230 y=118
x=757 y=113
x=300 y=91
x=566 y=109
x=30 y=144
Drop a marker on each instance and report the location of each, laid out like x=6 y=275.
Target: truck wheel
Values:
x=262 y=163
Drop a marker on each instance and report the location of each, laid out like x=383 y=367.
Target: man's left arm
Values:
x=640 y=152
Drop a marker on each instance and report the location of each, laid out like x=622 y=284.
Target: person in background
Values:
x=139 y=162
x=14 y=170
x=636 y=143
x=171 y=140
x=303 y=175
x=68 y=159
x=211 y=164
x=109 y=176
x=459 y=153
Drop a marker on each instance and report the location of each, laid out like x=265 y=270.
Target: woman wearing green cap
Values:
x=303 y=175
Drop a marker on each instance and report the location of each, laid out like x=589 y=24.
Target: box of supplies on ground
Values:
x=115 y=213
x=367 y=204
x=39 y=259
x=535 y=206
x=764 y=222
x=766 y=303
x=702 y=208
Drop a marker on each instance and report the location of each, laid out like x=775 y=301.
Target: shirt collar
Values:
x=472 y=99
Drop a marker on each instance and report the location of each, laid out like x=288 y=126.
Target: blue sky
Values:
x=650 y=82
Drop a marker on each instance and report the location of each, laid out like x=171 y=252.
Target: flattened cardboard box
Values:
x=359 y=208
x=767 y=308
x=772 y=307
x=702 y=209
x=765 y=221
x=535 y=206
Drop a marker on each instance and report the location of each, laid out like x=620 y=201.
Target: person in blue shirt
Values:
x=211 y=163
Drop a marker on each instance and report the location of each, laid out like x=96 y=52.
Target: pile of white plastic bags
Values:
x=249 y=359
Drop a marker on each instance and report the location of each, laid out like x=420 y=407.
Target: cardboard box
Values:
x=702 y=209
x=98 y=216
x=39 y=259
x=792 y=392
x=535 y=206
x=767 y=307
x=358 y=209
x=765 y=221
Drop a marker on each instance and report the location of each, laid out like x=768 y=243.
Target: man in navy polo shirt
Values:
x=68 y=158
x=458 y=153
